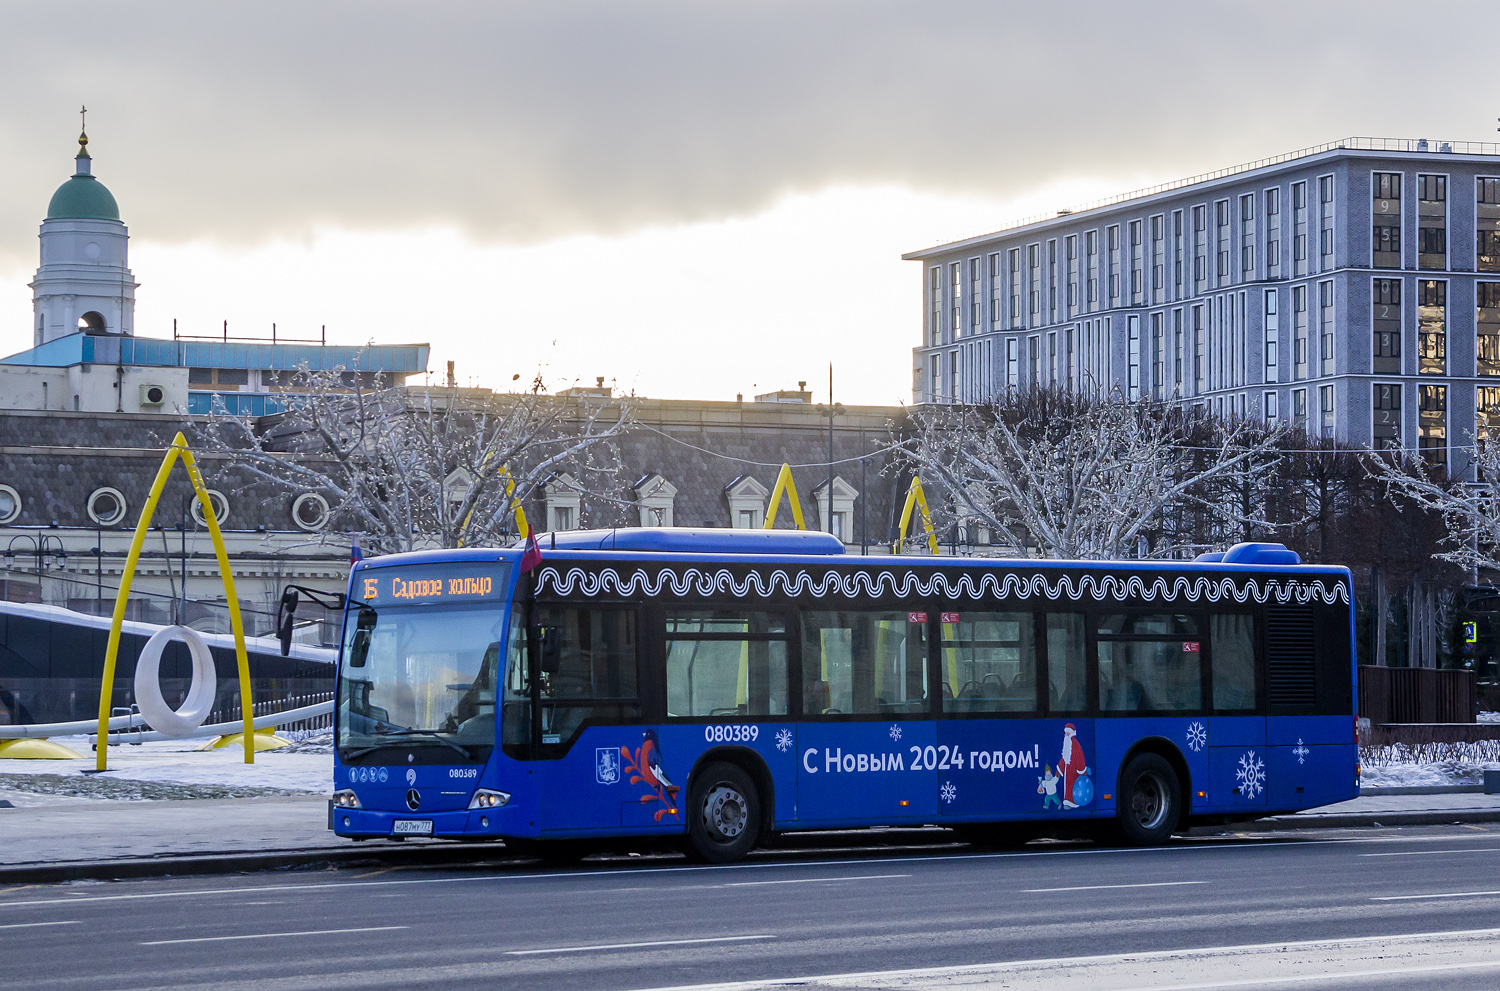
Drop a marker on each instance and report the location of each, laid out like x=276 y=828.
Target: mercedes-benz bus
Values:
x=716 y=687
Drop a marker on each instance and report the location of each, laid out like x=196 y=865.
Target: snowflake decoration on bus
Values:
x=1251 y=774
x=948 y=792
x=895 y=731
x=783 y=740
x=1197 y=736
x=1301 y=751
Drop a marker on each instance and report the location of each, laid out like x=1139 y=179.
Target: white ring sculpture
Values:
x=200 y=700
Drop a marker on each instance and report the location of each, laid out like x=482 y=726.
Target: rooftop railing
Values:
x=1404 y=145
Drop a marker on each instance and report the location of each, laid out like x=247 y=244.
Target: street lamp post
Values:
x=41 y=548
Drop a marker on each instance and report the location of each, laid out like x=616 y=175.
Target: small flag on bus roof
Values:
x=355 y=554
x=532 y=556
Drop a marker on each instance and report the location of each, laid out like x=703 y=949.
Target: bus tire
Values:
x=1150 y=800
x=723 y=814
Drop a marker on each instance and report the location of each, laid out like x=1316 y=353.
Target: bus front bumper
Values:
x=367 y=823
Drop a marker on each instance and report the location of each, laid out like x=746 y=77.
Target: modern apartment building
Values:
x=1352 y=288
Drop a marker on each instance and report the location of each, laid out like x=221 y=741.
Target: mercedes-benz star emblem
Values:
x=413 y=799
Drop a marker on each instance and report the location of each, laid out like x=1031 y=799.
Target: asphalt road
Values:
x=1083 y=916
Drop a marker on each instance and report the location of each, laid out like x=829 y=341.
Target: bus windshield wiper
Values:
x=435 y=735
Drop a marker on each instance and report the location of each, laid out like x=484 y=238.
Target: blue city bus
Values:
x=713 y=688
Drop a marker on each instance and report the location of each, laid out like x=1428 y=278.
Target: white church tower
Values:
x=84 y=282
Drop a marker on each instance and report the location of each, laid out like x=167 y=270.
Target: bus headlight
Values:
x=488 y=798
x=345 y=799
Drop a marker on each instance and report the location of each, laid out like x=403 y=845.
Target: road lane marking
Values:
x=636 y=946
x=31 y=925
x=1446 y=894
x=1071 y=963
x=1108 y=887
x=310 y=932
x=1432 y=853
x=810 y=880
x=781 y=865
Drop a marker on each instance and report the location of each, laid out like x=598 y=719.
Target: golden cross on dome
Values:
x=83 y=118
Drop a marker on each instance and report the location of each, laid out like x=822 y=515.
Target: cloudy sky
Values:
x=692 y=199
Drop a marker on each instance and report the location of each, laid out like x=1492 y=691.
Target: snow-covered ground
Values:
x=176 y=769
x=1428 y=764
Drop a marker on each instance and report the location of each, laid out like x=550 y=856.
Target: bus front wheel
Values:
x=723 y=815
x=1150 y=800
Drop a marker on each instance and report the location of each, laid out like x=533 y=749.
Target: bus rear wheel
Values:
x=1150 y=800
x=723 y=815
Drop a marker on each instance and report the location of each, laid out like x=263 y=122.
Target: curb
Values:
x=1353 y=820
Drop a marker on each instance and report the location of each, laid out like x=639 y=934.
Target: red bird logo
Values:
x=645 y=767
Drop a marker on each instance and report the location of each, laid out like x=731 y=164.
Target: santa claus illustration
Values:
x=1073 y=764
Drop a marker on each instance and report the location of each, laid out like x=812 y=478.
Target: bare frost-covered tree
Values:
x=410 y=468
x=1076 y=477
x=1470 y=510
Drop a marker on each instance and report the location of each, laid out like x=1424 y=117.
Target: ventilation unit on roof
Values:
x=153 y=395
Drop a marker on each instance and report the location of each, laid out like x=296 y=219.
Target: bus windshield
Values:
x=419 y=676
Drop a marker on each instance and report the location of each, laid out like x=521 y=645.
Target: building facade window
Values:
x=1487 y=328
x=1299 y=409
x=1272 y=328
x=1247 y=237
x=1133 y=356
x=1034 y=362
x=1177 y=353
x=935 y=316
x=1015 y=288
x=955 y=302
x=1200 y=249
x=1432 y=222
x=1487 y=224
x=1114 y=265
x=1325 y=328
x=1385 y=314
x=1177 y=254
x=1432 y=327
x=976 y=295
x=1385 y=417
x=1072 y=250
x=997 y=294
x=1325 y=408
x=1052 y=369
x=1070 y=359
x=1268 y=407
x=747 y=503
x=1432 y=424
x=1299 y=332
x=1325 y=223
x=1012 y=364
x=1385 y=212
x=1052 y=281
x=1158 y=259
x=1299 y=229
x=1273 y=233
x=1200 y=353
x=1158 y=356
x=1091 y=268
x=654 y=497
x=1136 y=288
x=1034 y=277
x=1487 y=413
x=1221 y=246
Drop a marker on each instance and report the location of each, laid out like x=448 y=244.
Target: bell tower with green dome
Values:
x=83 y=284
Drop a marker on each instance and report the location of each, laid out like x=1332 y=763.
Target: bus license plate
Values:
x=412 y=827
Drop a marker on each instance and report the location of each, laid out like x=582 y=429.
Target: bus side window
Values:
x=596 y=670
x=989 y=661
x=1066 y=687
x=867 y=663
x=1232 y=640
x=515 y=719
x=726 y=662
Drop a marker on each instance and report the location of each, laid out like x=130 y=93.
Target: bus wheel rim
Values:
x=724 y=812
x=1148 y=801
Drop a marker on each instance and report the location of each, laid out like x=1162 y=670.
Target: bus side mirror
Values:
x=284 y=620
x=549 y=649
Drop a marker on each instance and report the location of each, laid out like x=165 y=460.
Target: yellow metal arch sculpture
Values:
x=179 y=449
x=522 y=527
x=915 y=497
x=784 y=483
